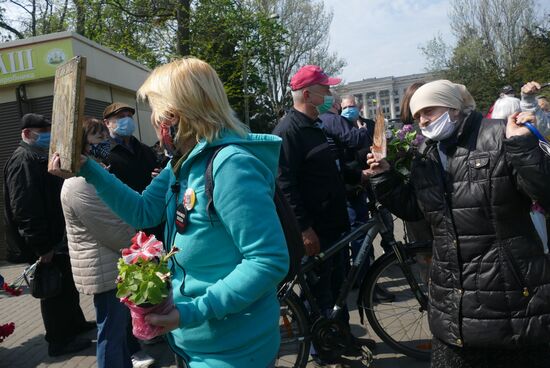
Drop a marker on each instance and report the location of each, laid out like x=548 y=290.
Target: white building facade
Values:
x=386 y=91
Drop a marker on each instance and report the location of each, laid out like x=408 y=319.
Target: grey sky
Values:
x=379 y=38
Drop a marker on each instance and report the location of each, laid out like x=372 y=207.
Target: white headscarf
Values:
x=442 y=93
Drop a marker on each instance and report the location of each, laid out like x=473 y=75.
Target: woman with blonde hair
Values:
x=230 y=260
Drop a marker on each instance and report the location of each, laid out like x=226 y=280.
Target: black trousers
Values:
x=447 y=356
x=62 y=315
x=330 y=275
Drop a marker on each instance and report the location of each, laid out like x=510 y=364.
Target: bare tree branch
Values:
x=7 y=27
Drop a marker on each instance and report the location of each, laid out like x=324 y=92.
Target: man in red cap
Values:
x=310 y=179
x=308 y=173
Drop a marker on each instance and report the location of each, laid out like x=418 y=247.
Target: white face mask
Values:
x=439 y=129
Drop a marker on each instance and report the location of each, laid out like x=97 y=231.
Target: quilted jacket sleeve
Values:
x=396 y=195
x=531 y=166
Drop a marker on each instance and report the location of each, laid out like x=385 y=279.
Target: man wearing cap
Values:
x=134 y=163
x=130 y=160
x=309 y=177
x=505 y=92
x=35 y=225
x=308 y=174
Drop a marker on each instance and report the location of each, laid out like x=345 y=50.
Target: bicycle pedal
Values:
x=368 y=358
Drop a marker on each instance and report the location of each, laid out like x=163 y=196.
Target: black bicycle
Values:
x=393 y=296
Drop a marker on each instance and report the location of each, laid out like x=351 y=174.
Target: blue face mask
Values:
x=125 y=127
x=351 y=113
x=100 y=150
x=326 y=105
x=43 y=140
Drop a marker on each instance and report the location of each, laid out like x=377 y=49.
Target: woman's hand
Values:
x=515 y=123
x=54 y=166
x=375 y=166
x=169 y=321
x=530 y=88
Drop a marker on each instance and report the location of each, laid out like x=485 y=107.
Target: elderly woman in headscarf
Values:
x=474 y=181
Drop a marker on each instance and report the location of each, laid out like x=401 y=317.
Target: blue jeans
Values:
x=112 y=320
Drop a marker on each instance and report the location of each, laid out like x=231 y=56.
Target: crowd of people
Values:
x=473 y=187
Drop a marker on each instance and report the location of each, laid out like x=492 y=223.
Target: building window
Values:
x=371 y=98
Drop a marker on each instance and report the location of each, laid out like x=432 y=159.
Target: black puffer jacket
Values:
x=490 y=280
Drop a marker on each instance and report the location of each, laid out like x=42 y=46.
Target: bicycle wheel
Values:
x=397 y=317
x=294 y=329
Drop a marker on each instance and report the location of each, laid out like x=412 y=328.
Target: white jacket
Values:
x=95 y=235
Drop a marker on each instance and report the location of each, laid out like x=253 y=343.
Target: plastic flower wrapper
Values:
x=539 y=217
x=402 y=147
x=143 y=282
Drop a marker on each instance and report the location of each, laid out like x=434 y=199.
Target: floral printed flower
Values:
x=143 y=272
x=143 y=247
x=13 y=290
x=6 y=330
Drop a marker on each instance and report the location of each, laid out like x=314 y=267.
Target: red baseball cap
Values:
x=310 y=75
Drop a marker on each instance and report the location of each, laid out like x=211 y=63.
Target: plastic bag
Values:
x=44 y=279
x=539 y=220
x=141 y=329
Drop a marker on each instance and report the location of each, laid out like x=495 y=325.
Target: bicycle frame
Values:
x=371 y=228
x=376 y=224
x=397 y=247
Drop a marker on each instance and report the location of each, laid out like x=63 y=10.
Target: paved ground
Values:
x=26 y=348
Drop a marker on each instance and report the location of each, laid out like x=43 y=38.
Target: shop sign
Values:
x=35 y=61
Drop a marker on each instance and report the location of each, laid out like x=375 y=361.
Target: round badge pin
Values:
x=189 y=199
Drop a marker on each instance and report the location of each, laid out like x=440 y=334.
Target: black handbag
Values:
x=46 y=280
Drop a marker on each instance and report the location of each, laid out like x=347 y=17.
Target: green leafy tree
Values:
x=497 y=45
x=254 y=45
x=471 y=66
x=534 y=58
x=306 y=24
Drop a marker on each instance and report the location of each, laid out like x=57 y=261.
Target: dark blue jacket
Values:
x=350 y=143
x=345 y=133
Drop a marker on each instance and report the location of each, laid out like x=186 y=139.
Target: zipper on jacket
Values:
x=515 y=271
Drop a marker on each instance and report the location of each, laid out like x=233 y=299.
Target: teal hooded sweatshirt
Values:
x=229 y=263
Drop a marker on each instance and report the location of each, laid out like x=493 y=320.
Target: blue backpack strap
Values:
x=209 y=178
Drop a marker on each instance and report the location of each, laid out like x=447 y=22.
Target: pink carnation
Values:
x=143 y=247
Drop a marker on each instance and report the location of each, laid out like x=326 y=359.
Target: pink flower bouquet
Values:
x=143 y=282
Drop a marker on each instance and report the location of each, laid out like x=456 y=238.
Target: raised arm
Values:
x=139 y=210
